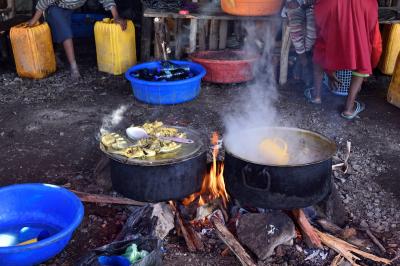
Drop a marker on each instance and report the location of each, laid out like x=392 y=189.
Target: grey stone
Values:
x=165 y=219
x=364 y=224
x=263 y=232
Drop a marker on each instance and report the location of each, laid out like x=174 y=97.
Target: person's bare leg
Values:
x=354 y=89
x=318 y=76
x=307 y=230
x=70 y=53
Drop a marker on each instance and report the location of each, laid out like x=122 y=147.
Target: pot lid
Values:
x=185 y=152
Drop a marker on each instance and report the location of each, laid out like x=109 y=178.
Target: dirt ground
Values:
x=48 y=128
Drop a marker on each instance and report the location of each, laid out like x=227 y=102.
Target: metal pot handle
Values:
x=264 y=173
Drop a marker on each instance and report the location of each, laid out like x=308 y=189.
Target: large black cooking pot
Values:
x=303 y=181
x=169 y=176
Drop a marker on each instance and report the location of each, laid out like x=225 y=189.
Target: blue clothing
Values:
x=59 y=20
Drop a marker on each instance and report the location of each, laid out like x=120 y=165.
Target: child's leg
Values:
x=310 y=37
x=355 y=87
x=310 y=29
x=70 y=52
x=297 y=24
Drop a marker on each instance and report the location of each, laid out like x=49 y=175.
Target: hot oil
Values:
x=18 y=233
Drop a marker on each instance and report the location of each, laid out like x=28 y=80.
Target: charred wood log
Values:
x=234 y=245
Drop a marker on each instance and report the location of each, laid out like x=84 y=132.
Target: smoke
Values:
x=112 y=120
x=254 y=107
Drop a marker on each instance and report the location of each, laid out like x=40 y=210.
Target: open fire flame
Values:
x=213 y=186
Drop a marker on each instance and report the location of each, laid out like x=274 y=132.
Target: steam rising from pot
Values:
x=254 y=107
x=112 y=120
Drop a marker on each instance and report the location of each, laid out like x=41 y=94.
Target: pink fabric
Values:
x=346 y=34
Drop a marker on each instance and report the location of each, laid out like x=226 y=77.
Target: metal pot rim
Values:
x=328 y=157
x=193 y=134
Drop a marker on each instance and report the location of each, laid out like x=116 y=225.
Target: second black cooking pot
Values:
x=169 y=176
x=302 y=181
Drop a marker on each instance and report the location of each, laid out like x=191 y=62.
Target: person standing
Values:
x=348 y=37
x=58 y=15
x=301 y=25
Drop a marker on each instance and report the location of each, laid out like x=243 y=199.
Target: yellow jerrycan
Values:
x=33 y=50
x=394 y=89
x=115 y=49
x=391 y=48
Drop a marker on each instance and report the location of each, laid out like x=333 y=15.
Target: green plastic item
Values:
x=134 y=255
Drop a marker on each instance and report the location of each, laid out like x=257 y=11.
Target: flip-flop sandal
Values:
x=359 y=108
x=308 y=95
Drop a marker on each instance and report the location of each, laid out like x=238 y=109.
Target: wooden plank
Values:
x=104 y=199
x=202 y=34
x=158 y=37
x=11 y=4
x=284 y=61
x=145 y=41
x=223 y=33
x=178 y=39
x=215 y=15
x=192 y=35
x=213 y=41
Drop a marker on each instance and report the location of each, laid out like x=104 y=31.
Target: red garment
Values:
x=347 y=35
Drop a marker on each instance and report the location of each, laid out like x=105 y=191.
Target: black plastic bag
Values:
x=137 y=230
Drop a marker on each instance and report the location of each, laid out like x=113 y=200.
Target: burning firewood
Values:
x=192 y=238
x=234 y=245
x=347 y=250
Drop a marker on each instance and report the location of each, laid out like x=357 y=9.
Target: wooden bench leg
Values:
x=193 y=35
x=284 y=62
x=213 y=42
x=145 y=42
x=178 y=39
x=223 y=33
x=202 y=34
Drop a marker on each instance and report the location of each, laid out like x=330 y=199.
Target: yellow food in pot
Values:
x=274 y=151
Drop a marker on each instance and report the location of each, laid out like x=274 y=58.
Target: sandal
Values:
x=359 y=108
x=309 y=97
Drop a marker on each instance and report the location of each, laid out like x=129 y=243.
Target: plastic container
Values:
x=251 y=7
x=83 y=24
x=391 y=48
x=394 y=89
x=345 y=77
x=169 y=92
x=50 y=207
x=33 y=50
x=116 y=49
x=225 y=70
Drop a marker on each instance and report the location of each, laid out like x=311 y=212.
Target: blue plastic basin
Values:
x=166 y=92
x=48 y=205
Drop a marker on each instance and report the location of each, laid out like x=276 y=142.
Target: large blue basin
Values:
x=168 y=92
x=51 y=207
